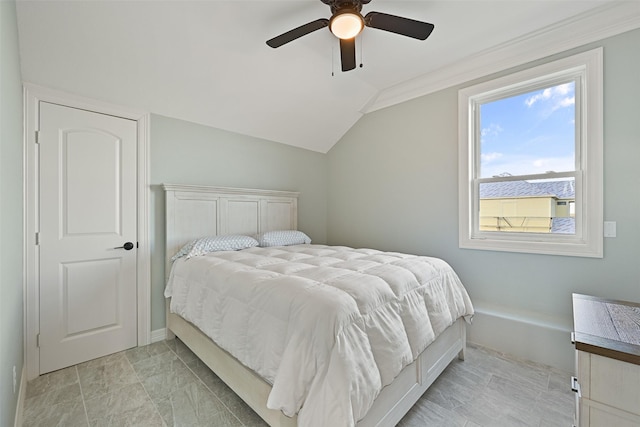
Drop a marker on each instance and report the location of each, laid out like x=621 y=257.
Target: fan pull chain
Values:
x=333 y=59
x=361 y=50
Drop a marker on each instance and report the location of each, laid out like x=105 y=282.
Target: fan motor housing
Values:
x=337 y=5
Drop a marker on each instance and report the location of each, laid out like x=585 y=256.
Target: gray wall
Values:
x=390 y=183
x=188 y=153
x=393 y=185
x=11 y=250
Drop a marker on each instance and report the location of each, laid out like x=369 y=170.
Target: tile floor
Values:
x=164 y=384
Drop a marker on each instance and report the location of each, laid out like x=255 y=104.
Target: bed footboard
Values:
x=394 y=401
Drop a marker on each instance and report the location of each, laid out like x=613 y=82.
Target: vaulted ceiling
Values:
x=207 y=61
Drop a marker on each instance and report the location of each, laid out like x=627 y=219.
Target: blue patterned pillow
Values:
x=282 y=238
x=204 y=245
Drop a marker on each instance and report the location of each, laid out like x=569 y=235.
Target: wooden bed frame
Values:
x=196 y=211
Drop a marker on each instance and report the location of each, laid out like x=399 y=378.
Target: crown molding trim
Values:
x=597 y=24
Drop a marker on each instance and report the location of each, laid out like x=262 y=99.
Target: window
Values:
x=530 y=160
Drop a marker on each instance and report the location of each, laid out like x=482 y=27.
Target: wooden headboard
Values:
x=194 y=211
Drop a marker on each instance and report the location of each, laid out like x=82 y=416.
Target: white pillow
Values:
x=204 y=245
x=282 y=238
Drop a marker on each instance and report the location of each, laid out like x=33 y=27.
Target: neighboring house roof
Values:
x=560 y=189
x=563 y=225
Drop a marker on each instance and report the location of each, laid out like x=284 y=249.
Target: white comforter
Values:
x=327 y=326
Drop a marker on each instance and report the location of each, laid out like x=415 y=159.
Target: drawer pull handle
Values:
x=573 y=337
x=575 y=386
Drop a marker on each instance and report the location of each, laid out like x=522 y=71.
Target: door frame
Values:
x=33 y=94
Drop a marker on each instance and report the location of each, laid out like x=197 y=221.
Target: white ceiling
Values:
x=207 y=62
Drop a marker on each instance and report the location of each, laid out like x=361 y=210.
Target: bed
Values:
x=328 y=372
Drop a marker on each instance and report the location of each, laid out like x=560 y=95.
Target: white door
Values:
x=87 y=236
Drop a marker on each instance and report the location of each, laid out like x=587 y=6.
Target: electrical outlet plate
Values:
x=609 y=229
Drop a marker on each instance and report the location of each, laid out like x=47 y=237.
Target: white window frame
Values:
x=587 y=69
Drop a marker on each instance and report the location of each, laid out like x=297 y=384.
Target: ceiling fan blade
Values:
x=302 y=30
x=396 y=24
x=348 y=54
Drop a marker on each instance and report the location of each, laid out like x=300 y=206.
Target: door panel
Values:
x=90 y=290
x=99 y=216
x=88 y=205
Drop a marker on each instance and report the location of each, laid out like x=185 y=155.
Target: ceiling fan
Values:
x=346 y=23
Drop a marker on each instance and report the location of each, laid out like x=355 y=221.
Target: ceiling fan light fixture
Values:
x=346 y=24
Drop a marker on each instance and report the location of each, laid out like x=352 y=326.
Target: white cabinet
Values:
x=607 y=340
x=609 y=391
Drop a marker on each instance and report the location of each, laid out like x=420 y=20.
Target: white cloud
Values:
x=491 y=130
x=564 y=88
x=544 y=95
x=560 y=96
x=565 y=102
x=490 y=157
x=556 y=164
x=498 y=163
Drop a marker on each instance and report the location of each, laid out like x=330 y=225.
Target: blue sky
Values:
x=530 y=133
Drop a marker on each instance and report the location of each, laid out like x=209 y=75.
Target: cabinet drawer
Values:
x=615 y=383
x=593 y=414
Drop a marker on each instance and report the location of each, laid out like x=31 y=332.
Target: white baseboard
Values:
x=158 y=335
x=524 y=336
x=22 y=391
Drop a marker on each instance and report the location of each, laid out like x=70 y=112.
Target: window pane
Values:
x=521 y=133
x=530 y=133
x=534 y=206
